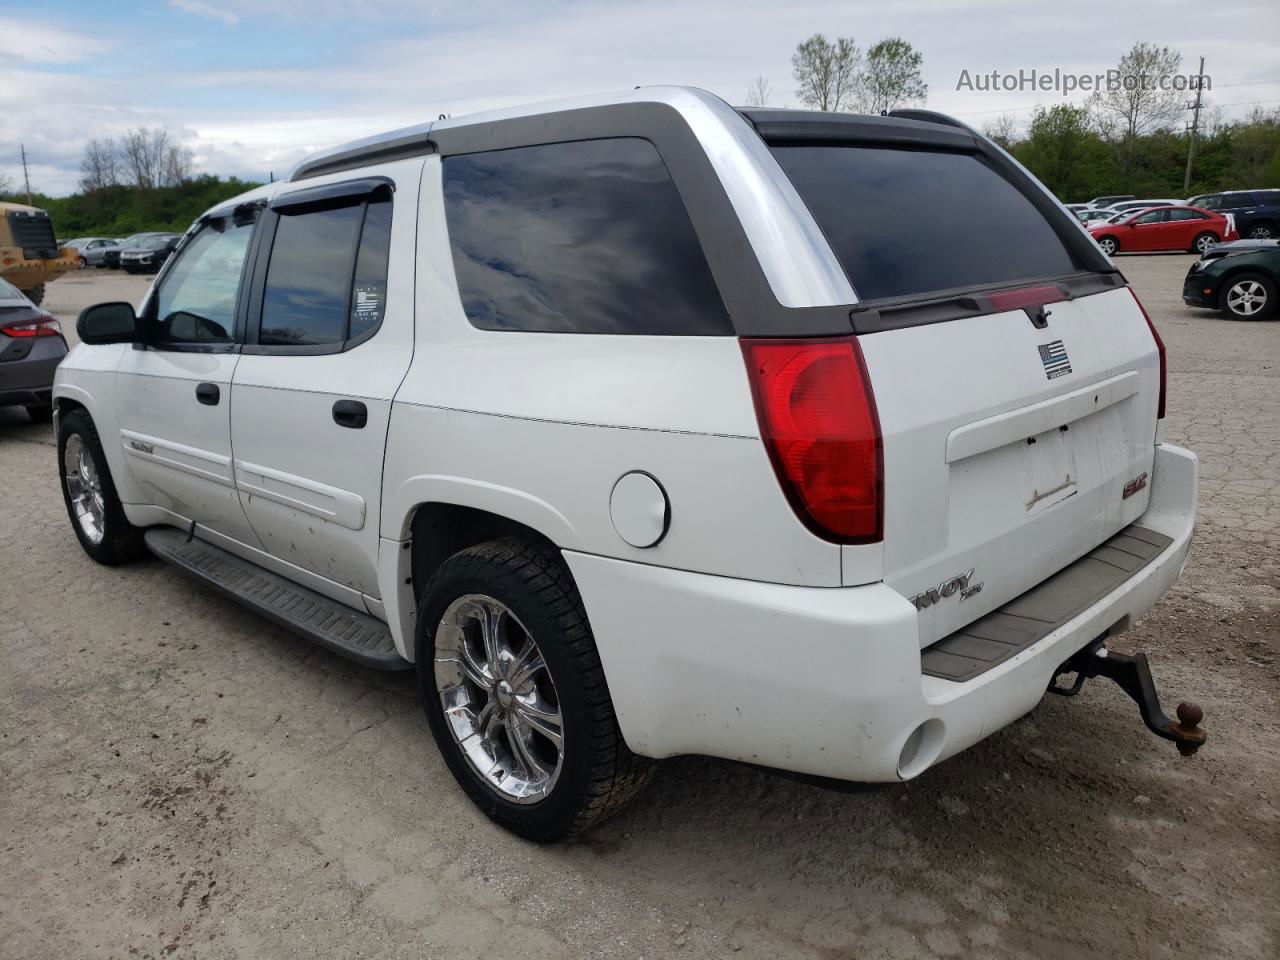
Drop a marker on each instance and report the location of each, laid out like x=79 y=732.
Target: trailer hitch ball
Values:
x=1133 y=675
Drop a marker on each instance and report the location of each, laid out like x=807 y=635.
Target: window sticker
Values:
x=366 y=307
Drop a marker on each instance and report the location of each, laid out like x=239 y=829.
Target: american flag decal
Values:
x=1055 y=360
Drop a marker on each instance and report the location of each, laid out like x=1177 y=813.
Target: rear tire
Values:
x=1203 y=242
x=488 y=613
x=1249 y=296
x=35 y=294
x=93 y=506
x=1262 y=231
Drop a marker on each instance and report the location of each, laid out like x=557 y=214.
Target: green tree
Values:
x=825 y=72
x=1139 y=104
x=1063 y=151
x=891 y=77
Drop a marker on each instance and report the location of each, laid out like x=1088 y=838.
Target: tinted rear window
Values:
x=584 y=237
x=905 y=222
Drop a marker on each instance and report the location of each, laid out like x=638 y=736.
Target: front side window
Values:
x=196 y=300
x=909 y=222
x=582 y=237
x=327 y=276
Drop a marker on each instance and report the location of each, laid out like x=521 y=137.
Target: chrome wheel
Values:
x=84 y=488
x=1247 y=298
x=498 y=697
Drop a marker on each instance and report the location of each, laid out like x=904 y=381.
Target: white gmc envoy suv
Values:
x=643 y=426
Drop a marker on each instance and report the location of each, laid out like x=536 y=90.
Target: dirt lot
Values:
x=179 y=778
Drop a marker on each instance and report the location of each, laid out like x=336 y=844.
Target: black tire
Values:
x=40 y=412
x=598 y=774
x=35 y=294
x=121 y=541
x=1262 y=231
x=82 y=262
x=1203 y=241
x=1269 y=288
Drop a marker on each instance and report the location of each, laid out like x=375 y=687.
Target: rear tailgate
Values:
x=1015 y=376
x=1009 y=448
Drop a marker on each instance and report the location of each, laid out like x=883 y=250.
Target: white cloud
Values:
x=26 y=42
x=202 y=9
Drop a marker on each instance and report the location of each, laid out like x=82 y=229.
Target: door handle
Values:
x=350 y=413
x=208 y=394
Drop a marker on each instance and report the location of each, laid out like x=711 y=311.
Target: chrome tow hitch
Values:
x=1133 y=675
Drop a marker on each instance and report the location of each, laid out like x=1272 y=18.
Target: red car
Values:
x=1164 y=228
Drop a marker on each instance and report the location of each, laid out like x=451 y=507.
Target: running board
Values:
x=335 y=626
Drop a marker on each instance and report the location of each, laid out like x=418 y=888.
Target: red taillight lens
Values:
x=45 y=326
x=1164 y=379
x=818 y=419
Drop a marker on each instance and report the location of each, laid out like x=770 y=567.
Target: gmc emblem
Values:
x=1133 y=486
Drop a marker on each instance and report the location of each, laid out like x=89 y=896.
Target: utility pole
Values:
x=25 y=176
x=1195 y=128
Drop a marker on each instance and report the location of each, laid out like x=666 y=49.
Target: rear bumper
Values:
x=29 y=381
x=827 y=681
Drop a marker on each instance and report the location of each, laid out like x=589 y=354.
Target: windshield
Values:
x=872 y=202
x=151 y=243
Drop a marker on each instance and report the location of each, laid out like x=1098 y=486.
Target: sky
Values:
x=252 y=86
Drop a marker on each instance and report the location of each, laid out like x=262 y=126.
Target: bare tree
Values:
x=759 y=93
x=1003 y=130
x=100 y=165
x=825 y=72
x=891 y=77
x=1142 y=101
x=143 y=152
x=6 y=184
x=178 y=166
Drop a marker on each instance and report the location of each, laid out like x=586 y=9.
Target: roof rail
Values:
x=416 y=144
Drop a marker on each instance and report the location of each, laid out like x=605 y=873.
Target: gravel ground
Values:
x=180 y=778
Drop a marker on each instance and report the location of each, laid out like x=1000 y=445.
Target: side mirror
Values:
x=107 y=323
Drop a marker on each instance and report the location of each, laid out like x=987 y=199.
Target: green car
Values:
x=1242 y=279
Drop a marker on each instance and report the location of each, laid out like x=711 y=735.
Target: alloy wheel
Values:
x=1204 y=243
x=1260 y=232
x=84 y=487
x=499 y=699
x=1247 y=298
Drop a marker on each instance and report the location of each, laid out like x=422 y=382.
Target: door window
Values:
x=327 y=276
x=1187 y=215
x=1153 y=216
x=195 y=303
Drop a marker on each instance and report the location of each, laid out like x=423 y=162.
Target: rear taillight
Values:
x=42 y=326
x=818 y=420
x=1159 y=349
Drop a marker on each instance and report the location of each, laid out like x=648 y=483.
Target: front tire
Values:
x=1249 y=296
x=515 y=694
x=93 y=506
x=1109 y=246
x=1262 y=231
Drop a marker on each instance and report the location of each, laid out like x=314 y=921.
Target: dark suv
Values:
x=149 y=253
x=1257 y=212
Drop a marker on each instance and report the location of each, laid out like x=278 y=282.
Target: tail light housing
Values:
x=1159 y=349
x=42 y=326
x=818 y=419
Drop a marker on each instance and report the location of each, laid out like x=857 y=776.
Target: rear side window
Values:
x=908 y=222
x=327 y=276
x=583 y=237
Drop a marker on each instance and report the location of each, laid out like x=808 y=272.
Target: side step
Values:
x=335 y=626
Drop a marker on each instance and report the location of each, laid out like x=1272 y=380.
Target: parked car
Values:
x=29 y=253
x=1092 y=215
x=607 y=417
x=31 y=346
x=1256 y=212
x=1163 y=228
x=91 y=251
x=1242 y=279
x=111 y=256
x=1132 y=206
x=148 y=254
x=1109 y=200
